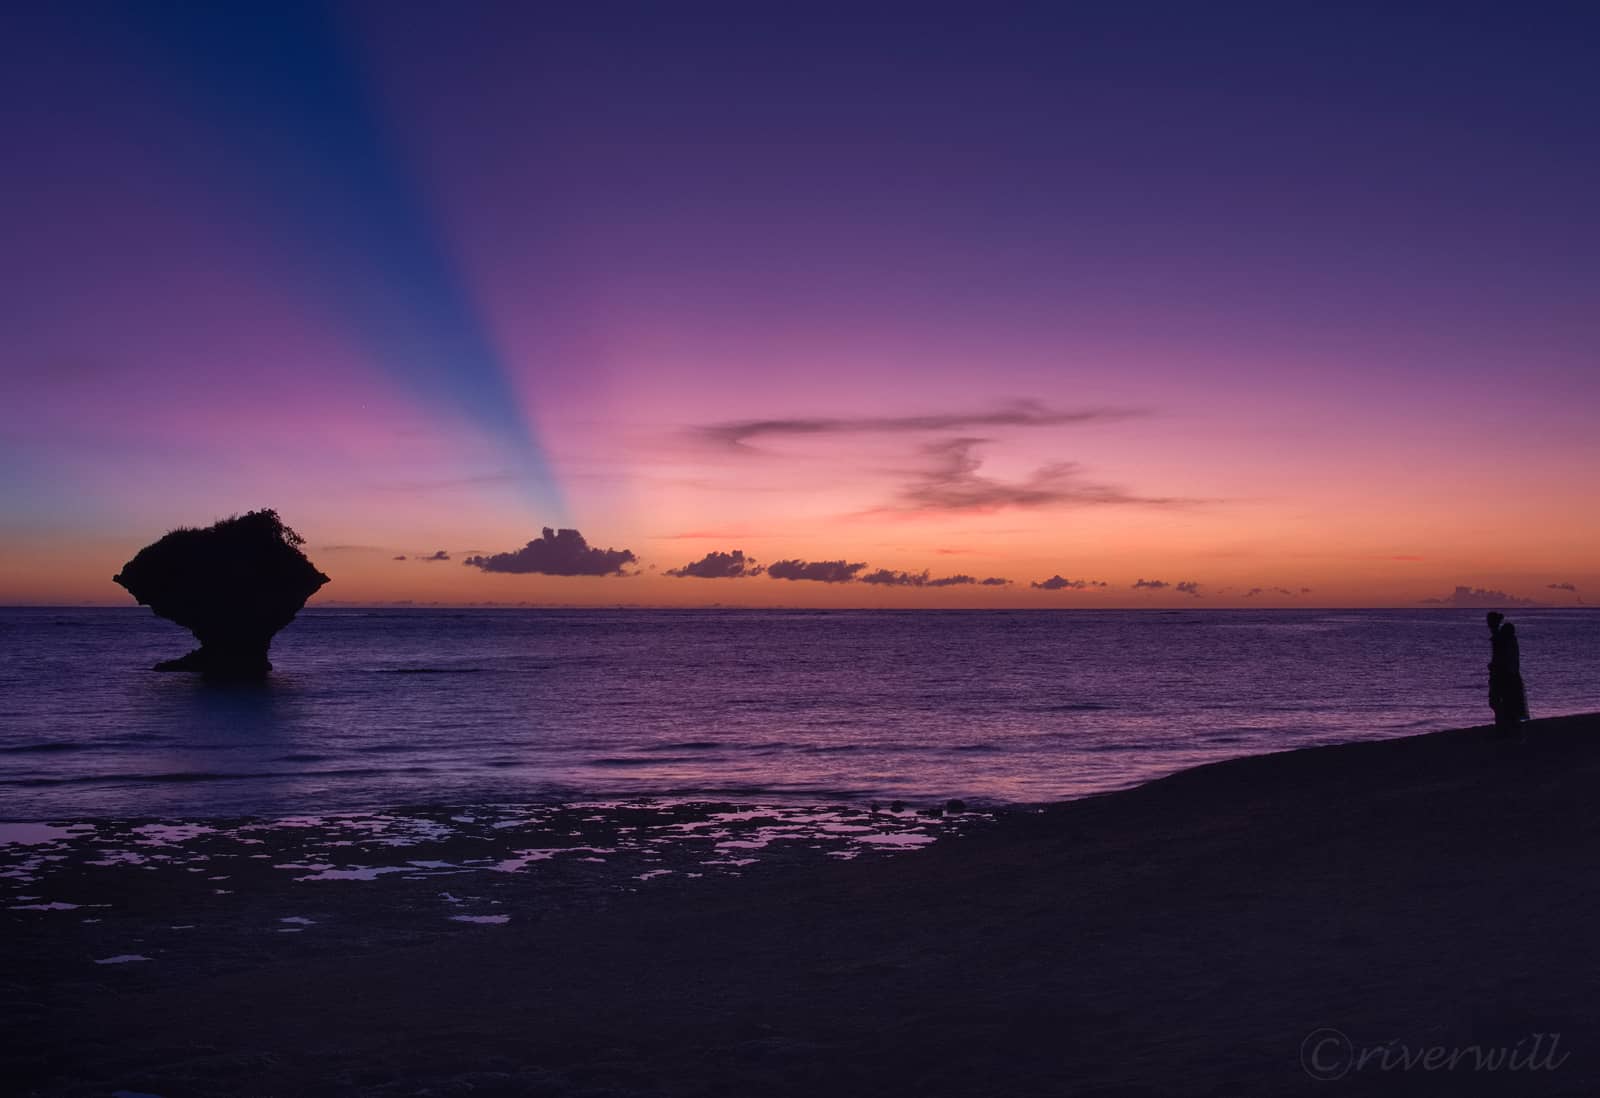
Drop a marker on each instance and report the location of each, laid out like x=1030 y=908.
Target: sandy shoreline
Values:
x=1184 y=937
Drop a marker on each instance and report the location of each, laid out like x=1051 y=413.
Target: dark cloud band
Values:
x=557 y=553
x=734 y=565
x=1480 y=597
x=1059 y=582
x=739 y=434
x=817 y=571
x=887 y=578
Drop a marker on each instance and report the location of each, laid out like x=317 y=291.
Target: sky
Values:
x=810 y=305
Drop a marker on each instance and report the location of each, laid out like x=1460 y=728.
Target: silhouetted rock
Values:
x=955 y=804
x=233 y=584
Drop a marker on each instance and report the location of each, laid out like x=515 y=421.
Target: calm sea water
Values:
x=395 y=707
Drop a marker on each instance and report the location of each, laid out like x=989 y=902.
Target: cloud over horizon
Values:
x=557 y=553
x=818 y=571
x=1058 y=582
x=951 y=481
x=1189 y=587
x=715 y=565
x=888 y=578
x=953 y=484
x=1150 y=585
x=738 y=434
x=1479 y=597
x=1572 y=587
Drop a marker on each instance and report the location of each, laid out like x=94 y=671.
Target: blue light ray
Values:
x=298 y=132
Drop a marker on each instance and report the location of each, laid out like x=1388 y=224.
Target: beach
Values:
x=1405 y=916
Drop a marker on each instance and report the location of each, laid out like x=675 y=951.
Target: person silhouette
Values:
x=1508 y=697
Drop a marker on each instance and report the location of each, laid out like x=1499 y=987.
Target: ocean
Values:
x=403 y=707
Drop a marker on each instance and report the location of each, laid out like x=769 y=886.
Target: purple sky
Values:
x=1298 y=297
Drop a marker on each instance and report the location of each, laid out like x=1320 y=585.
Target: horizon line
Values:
x=412 y=605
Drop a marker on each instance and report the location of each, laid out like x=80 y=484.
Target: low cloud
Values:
x=1189 y=587
x=734 y=565
x=400 y=556
x=887 y=578
x=557 y=553
x=994 y=581
x=1480 y=597
x=817 y=571
x=739 y=434
x=440 y=555
x=1150 y=585
x=1061 y=583
x=1254 y=591
x=1563 y=587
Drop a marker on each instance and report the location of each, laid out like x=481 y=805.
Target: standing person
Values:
x=1508 y=697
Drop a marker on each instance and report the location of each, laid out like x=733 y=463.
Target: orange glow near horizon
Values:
x=1342 y=548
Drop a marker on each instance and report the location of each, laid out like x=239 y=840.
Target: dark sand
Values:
x=1181 y=938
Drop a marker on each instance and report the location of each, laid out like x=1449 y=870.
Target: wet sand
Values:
x=1427 y=903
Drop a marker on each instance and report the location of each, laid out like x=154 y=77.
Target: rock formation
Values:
x=233 y=584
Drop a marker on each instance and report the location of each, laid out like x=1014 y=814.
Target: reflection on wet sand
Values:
x=314 y=876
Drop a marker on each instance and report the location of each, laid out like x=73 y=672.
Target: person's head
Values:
x=1495 y=618
x=1508 y=631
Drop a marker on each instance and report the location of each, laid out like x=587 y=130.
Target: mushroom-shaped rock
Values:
x=233 y=584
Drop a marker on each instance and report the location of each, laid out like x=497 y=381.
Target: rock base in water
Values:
x=219 y=666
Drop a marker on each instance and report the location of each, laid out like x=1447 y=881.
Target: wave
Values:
x=429 y=670
x=651 y=760
x=62 y=747
x=113 y=779
x=212 y=776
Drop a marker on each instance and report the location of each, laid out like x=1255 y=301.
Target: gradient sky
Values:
x=1297 y=304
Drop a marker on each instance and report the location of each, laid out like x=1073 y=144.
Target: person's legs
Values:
x=1505 y=712
x=1507 y=718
